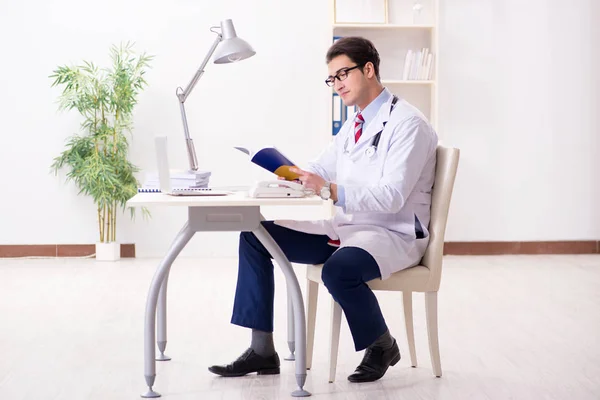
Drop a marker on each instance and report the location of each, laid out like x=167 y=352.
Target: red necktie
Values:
x=358 y=124
x=334 y=243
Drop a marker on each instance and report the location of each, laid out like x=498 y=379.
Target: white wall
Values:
x=519 y=95
x=276 y=97
x=595 y=85
x=518 y=90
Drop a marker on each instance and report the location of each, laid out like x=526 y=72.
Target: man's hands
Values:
x=314 y=182
x=310 y=180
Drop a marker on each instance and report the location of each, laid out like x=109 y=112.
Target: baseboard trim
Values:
x=58 y=250
x=450 y=248
x=499 y=248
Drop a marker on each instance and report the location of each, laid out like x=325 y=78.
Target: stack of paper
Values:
x=179 y=180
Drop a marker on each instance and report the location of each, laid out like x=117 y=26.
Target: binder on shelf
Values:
x=428 y=67
x=340 y=111
x=337 y=114
x=348 y=112
x=407 y=64
x=418 y=65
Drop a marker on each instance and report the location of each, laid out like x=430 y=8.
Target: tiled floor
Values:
x=511 y=327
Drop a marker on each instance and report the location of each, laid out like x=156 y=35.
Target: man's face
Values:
x=351 y=82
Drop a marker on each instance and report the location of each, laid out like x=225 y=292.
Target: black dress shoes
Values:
x=375 y=363
x=247 y=363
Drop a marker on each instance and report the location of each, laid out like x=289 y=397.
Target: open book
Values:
x=272 y=160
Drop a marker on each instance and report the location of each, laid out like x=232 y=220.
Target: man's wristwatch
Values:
x=326 y=191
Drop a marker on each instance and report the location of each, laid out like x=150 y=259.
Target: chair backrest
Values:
x=445 y=174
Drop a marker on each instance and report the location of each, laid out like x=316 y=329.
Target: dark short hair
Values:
x=358 y=49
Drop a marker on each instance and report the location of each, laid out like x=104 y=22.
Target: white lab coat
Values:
x=383 y=192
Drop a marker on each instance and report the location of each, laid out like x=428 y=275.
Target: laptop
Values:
x=164 y=176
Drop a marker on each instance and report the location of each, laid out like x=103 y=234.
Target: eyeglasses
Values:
x=340 y=76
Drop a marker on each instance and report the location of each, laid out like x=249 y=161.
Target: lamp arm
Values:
x=182 y=95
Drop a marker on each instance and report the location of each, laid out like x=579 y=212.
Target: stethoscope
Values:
x=372 y=149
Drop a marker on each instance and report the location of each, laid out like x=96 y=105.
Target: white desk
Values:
x=236 y=212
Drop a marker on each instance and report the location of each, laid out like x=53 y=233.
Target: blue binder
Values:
x=349 y=112
x=337 y=111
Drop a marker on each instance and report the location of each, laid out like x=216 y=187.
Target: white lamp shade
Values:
x=231 y=48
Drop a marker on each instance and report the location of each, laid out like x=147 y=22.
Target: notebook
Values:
x=164 y=177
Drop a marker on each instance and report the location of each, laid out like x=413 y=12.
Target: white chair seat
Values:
x=410 y=279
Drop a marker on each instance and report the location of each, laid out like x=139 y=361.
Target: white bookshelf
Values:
x=394 y=28
x=381 y=26
x=407 y=82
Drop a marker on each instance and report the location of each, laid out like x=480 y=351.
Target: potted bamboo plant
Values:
x=96 y=159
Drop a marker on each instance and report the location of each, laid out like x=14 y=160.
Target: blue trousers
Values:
x=345 y=272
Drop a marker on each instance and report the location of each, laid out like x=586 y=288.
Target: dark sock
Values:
x=262 y=343
x=384 y=341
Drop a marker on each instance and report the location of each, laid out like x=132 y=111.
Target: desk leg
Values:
x=298 y=306
x=161 y=312
x=161 y=329
x=158 y=280
x=290 y=328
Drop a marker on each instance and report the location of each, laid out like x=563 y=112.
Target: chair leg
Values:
x=311 y=316
x=432 y=331
x=336 y=321
x=410 y=330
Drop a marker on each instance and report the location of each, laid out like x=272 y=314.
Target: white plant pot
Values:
x=108 y=251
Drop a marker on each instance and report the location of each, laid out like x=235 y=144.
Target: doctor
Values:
x=379 y=172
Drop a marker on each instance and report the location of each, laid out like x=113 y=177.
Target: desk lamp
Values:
x=227 y=48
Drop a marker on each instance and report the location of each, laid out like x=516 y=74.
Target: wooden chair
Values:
x=425 y=277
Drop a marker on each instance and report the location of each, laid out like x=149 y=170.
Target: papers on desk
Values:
x=179 y=180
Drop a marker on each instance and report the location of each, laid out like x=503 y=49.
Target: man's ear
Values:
x=369 y=70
